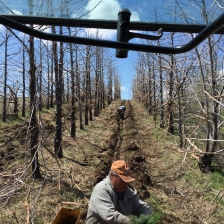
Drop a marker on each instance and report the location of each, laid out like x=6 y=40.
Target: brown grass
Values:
x=166 y=177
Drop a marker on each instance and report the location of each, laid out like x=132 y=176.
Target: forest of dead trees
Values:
x=183 y=93
x=40 y=74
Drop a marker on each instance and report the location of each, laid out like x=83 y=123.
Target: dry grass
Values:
x=179 y=190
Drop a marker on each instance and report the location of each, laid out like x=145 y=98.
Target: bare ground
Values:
x=160 y=168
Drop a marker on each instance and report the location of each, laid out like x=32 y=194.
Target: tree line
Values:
x=184 y=93
x=41 y=74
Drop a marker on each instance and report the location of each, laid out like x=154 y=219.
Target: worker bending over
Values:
x=114 y=199
x=121 y=110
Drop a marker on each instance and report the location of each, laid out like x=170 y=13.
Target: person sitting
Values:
x=121 y=110
x=114 y=198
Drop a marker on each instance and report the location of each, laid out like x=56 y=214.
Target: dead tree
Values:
x=109 y=83
x=5 y=76
x=87 y=85
x=162 y=122
x=149 y=84
x=34 y=128
x=24 y=84
x=170 y=118
x=73 y=127
x=52 y=85
x=97 y=80
x=48 y=81
x=58 y=113
x=40 y=100
x=78 y=81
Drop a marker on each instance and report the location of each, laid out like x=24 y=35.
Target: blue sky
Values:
x=141 y=10
x=109 y=9
x=106 y=9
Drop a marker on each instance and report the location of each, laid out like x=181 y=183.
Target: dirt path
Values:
x=124 y=144
x=132 y=139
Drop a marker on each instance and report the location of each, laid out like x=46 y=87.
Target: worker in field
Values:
x=114 y=199
x=121 y=110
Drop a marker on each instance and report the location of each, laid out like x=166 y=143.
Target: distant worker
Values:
x=121 y=110
x=114 y=199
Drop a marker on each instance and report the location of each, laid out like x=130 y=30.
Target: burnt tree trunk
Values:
x=97 y=75
x=48 y=82
x=89 y=89
x=24 y=85
x=109 y=85
x=5 y=78
x=68 y=87
x=162 y=122
x=149 y=96
x=154 y=93
x=78 y=81
x=40 y=100
x=34 y=129
x=58 y=112
x=52 y=86
x=181 y=142
x=87 y=85
x=170 y=119
x=73 y=127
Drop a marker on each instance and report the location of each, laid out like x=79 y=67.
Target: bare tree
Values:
x=34 y=127
x=58 y=82
x=5 y=76
x=97 y=81
x=39 y=85
x=109 y=83
x=170 y=118
x=24 y=83
x=73 y=127
x=78 y=81
x=87 y=85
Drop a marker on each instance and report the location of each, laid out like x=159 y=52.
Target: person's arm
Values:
x=141 y=207
x=104 y=207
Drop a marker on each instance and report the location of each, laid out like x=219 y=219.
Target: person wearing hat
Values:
x=114 y=199
x=121 y=111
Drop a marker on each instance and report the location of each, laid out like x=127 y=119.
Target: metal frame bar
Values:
x=109 y=24
x=212 y=28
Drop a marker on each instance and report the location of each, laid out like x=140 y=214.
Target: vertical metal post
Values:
x=123 y=31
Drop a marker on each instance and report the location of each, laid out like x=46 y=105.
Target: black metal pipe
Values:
x=109 y=24
x=123 y=24
x=212 y=28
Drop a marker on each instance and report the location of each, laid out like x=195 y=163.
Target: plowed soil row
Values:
x=123 y=144
x=157 y=168
x=130 y=142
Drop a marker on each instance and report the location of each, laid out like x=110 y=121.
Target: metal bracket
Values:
x=146 y=36
x=124 y=35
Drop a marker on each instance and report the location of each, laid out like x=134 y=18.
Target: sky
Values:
x=109 y=9
x=103 y=9
x=141 y=10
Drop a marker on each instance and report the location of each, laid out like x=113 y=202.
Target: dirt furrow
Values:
x=123 y=143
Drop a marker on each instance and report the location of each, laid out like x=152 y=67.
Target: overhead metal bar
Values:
x=205 y=33
x=109 y=24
